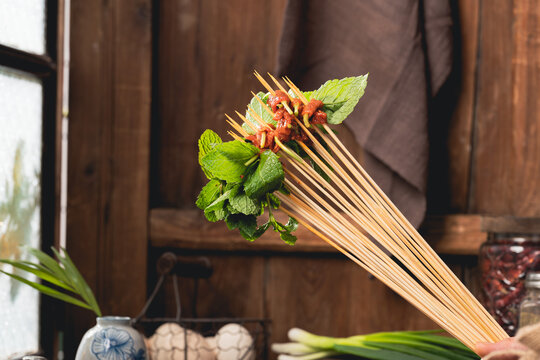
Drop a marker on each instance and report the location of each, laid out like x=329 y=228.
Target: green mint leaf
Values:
x=273 y=201
x=291 y=225
x=260 y=230
x=209 y=193
x=267 y=178
x=283 y=189
x=285 y=230
x=227 y=160
x=259 y=110
x=289 y=238
x=246 y=224
x=207 y=142
x=230 y=209
x=339 y=97
x=242 y=203
x=215 y=215
x=217 y=210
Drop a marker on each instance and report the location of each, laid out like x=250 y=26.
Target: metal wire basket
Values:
x=178 y=338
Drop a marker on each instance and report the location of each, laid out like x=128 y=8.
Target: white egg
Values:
x=211 y=341
x=234 y=342
x=170 y=340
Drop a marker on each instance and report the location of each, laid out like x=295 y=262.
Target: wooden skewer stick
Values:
x=420 y=244
x=234 y=135
x=381 y=235
x=265 y=107
x=249 y=123
x=236 y=126
x=264 y=83
x=278 y=84
x=296 y=90
x=385 y=272
x=256 y=116
x=391 y=239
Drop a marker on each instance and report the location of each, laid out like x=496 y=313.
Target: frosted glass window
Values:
x=22 y=25
x=20 y=167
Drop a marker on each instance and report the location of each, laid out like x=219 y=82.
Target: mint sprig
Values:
x=240 y=188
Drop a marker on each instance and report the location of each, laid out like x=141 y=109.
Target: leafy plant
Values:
x=64 y=281
x=405 y=345
x=240 y=188
x=243 y=179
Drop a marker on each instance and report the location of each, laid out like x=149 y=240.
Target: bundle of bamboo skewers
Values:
x=353 y=215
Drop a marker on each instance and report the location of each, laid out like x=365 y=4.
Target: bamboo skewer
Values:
x=422 y=248
x=354 y=216
x=395 y=278
x=329 y=158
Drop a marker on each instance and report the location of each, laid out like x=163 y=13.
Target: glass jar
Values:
x=505 y=259
x=529 y=310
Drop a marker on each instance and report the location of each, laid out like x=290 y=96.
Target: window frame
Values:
x=47 y=68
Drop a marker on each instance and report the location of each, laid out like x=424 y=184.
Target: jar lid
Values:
x=533 y=280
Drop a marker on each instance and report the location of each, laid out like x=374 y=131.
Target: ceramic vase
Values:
x=113 y=338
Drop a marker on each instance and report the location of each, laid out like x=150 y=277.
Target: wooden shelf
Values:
x=188 y=229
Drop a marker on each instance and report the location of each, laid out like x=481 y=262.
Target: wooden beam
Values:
x=188 y=229
x=454 y=234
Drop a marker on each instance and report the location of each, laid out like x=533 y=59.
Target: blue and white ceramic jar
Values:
x=112 y=338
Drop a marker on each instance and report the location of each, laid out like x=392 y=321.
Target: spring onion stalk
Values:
x=287 y=150
x=404 y=345
x=314 y=356
x=286 y=106
x=293 y=348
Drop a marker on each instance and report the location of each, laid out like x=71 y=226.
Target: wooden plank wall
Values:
x=205 y=55
x=109 y=141
x=506 y=145
x=492 y=154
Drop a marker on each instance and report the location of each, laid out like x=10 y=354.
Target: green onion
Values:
x=404 y=345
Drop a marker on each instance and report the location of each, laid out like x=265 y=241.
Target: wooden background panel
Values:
x=325 y=294
x=235 y=289
x=207 y=53
x=108 y=157
x=460 y=129
x=507 y=143
x=310 y=293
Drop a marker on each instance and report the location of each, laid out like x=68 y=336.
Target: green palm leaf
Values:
x=78 y=280
x=62 y=273
x=43 y=275
x=49 y=291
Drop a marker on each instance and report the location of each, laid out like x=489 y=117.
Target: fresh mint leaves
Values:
x=210 y=192
x=207 y=142
x=227 y=161
x=241 y=186
x=339 y=97
x=268 y=176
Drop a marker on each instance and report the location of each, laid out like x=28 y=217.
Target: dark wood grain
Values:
x=206 y=54
x=506 y=167
x=108 y=155
x=461 y=125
